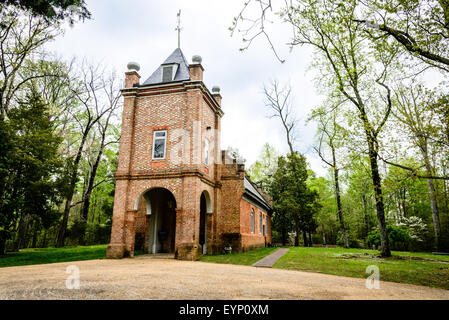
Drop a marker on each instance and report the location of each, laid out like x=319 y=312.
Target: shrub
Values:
x=397 y=236
x=76 y=231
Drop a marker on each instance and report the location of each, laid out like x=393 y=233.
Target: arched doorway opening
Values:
x=205 y=208
x=161 y=212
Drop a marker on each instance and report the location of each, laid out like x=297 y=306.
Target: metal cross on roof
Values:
x=178 y=28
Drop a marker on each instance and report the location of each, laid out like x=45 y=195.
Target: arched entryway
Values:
x=205 y=208
x=161 y=212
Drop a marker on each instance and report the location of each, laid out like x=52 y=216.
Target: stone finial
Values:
x=215 y=89
x=196 y=59
x=133 y=66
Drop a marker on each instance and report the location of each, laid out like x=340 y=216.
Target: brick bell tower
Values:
x=167 y=181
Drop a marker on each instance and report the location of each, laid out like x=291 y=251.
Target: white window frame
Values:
x=174 y=69
x=252 y=220
x=154 y=143
x=206 y=152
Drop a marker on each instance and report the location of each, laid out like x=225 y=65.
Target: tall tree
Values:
x=92 y=110
x=331 y=135
x=21 y=40
x=414 y=110
x=292 y=199
x=278 y=99
x=34 y=172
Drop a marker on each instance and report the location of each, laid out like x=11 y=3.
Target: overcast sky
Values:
x=144 y=31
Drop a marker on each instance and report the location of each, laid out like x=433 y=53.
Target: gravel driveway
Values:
x=148 y=278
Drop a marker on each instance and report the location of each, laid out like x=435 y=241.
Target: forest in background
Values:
x=383 y=128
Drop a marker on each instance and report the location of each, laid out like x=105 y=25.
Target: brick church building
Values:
x=176 y=190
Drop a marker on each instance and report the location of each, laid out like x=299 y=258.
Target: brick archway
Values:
x=141 y=191
x=159 y=228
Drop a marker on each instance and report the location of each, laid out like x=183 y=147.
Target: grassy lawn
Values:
x=407 y=267
x=247 y=258
x=51 y=255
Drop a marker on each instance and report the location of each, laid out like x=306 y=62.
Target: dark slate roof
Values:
x=255 y=195
x=182 y=74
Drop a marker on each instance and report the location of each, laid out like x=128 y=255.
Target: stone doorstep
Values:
x=268 y=261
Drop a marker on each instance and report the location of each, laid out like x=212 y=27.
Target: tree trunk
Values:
x=324 y=235
x=310 y=239
x=296 y=232
x=339 y=209
x=304 y=236
x=34 y=241
x=62 y=230
x=432 y=196
x=3 y=237
x=284 y=236
x=365 y=215
x=380 y=210
x=44 y=241
x=21 y=233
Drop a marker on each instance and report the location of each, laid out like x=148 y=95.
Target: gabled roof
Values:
x=255 y=195
x=182 y=74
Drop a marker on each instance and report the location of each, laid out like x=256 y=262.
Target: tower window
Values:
x=206 y=152
x=159 y=144
x=168 y=72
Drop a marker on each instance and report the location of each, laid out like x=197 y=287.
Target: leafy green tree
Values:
x=34 y=171
x=331 y=137
x=293 y=201
x=52 y=10
x=262 y=171
x=421 y=27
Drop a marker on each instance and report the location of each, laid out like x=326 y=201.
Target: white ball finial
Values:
x=197 y=59
x=215 y=89
x=133 y=66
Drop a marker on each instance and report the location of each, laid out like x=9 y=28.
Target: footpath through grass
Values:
x=408 y=267
x=247 y=258
x=52 y=255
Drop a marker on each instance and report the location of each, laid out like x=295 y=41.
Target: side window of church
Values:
x=159 y=144
x=260 y=223
x=252 y=220
x=266 y=225
x=206 y=152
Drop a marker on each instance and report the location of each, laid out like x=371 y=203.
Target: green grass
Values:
x=247 y=258
x=406 y=267
x=52 y=255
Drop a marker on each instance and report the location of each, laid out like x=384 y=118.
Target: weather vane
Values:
x=178 y=28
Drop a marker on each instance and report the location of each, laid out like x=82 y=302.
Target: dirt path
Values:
x=146 y=278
